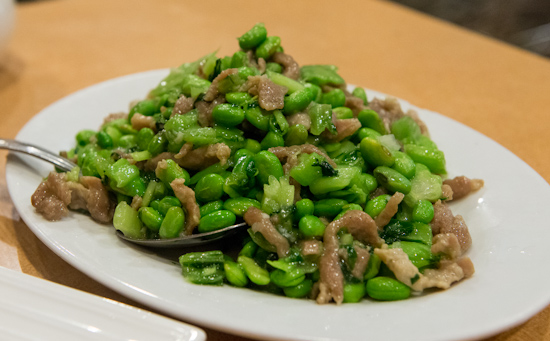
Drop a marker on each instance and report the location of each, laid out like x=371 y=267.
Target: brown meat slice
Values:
x=299 y=118
x=344 y=128
x=196 y=159
x=446 y=244
x=390 y=210
x=291 y=69
x=354 y=103
x=261 y=223
x=140 y=121
x=388 y=109
x=289 y=155
x=462 y=186
x=311 y=247
x=405 y=271
x=361 y=262
x=55 y=195
x=271 y=96
x=445 y=222
x=183 y=105
x=187 y=198
x=52 y=197
x=364 y=229
x=213 y=90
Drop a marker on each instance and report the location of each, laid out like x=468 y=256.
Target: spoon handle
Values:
x=38 y=152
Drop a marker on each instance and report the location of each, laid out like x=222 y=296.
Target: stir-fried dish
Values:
x=344 y=196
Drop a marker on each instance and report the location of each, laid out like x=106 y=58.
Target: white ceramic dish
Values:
x=35 y=309
x=508 y=221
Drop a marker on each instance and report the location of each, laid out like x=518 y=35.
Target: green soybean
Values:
x=375 y=153
x=254 y=115
x=239 y=206
x=254 y=272
x=297 y=101
x=150 y=218
x=234 y=273
x=171 y=171
x=373 y=267
x=172 y=224
x=354 y=292
x=104 y=140
x=267 y=164
x=274 y=67
x=377 y=205
x=370 y=119
x=126 y=220
x=268 y=47
x=300 y=290
x=342 y=113
x=284 y=279
x=157 y=144
x=209 y=188
x=211 y=207
x=254 y=37
x=404 y=164
x=249 y=249
x=303 y=207
x=83 y=137
x=329 y=207
x=228 y=115
x=216 y=220
x=297 y=135
x=272 y=139
x=360 y=93
x=336 y=98
x=367 y=132
x=167 y=202
x=423 y=211
x=311 y=226
x=387 y=289
x=392 y=180
x=432 y=158
x=238 y=98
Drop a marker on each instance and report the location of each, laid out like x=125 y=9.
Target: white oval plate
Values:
x=508 y=220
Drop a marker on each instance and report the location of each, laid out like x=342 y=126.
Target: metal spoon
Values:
x=66 y=165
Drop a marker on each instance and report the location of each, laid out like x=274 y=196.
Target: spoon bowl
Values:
x=67 y=165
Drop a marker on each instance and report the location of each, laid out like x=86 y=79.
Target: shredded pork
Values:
x=261 y=223
x=187 y=198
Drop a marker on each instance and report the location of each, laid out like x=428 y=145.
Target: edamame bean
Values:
x=354 y=292
x=255 y=273
x=342 y=113
x=267 y=164
x=311 y=226
x=150 y=218
x=404 y=164
x=360 y=93
x=329 y=207
x=268 y=47
x=336 y=98
x=211 y=207
x=252 y=145
x=254 y=115
x=433 y=159
x=387 y=289
x=249 y=249
x=167 y=202
x=284 y=279
x=228 y=115
x=423 y=211
x=126 y=220
x=303 y=207
x=297 y=101
x=272 y=139
x=239 y=59
x=172 y=225
x=300 y=290
x=274 y=67
x=209 y=188
x=157 y=144
x=297 y=135
x=169 y=171
x=238 y=98
x=239 y=206
x=370 y=119
x=254 y=37
x=367 y=132
x=104 y=140
x=234 y=273
x=373 y=267
x=216 y=220
x=377 y=205
x=376 y=153
x=392 y=180
x=83 y=137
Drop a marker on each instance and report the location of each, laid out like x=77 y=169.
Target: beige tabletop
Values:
x=60 y=46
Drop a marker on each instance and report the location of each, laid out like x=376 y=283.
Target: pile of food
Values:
x=345 y=197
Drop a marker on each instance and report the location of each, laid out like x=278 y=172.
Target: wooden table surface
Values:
x=61 y=46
